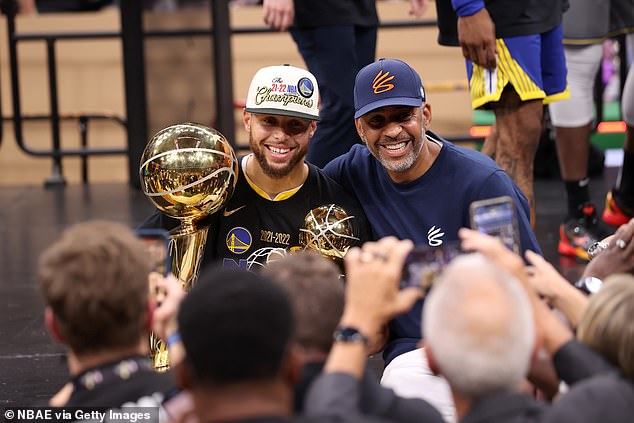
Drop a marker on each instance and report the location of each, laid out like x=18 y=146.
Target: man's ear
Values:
x=246 y=119
x=427 y=116
x=292 y=365
x=51 y=325
x=360 y=131
x=431 y=361
x=313 y=128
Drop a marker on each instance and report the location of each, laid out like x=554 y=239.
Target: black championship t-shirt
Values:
x=251 y=228
x=128 y=381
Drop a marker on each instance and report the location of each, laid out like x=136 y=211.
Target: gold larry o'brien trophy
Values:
x=330 y=231
x=188 y=171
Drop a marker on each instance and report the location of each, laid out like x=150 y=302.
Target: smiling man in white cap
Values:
x=415 y=185
x=281 y=117
x=276 y=188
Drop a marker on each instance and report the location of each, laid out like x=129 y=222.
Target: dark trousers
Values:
x=334 y=54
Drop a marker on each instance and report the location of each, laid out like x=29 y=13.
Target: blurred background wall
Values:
x=179 y=80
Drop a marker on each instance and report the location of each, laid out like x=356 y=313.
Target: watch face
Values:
x=348 y=332
x=589 y=284
x=593 y=284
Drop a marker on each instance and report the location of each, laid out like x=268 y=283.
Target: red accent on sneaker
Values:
x=567 y=249
x=588 y=209
x=612 y=215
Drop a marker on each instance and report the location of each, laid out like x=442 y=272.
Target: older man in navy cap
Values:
x=415 y=185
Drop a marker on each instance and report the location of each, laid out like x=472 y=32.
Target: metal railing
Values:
x=135 y=122
x=56 y=152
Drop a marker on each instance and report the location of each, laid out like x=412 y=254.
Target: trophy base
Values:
x=186 y=251
x=159 y=354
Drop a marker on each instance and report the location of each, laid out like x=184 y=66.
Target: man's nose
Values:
x=393 y=129
x=280 y=133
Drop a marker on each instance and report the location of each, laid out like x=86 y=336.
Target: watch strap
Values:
x=349 y=334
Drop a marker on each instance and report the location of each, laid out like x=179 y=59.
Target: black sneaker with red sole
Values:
x=578 y=233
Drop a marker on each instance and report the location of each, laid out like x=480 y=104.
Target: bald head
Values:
x=478 y=325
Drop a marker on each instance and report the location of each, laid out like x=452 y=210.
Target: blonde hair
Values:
x=606 y=325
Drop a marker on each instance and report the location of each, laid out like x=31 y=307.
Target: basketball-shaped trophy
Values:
x=188 y=171
x=329 y=230
x=262 y=257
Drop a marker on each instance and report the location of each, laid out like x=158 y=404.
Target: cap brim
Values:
x=278 y=112
x=393 y=101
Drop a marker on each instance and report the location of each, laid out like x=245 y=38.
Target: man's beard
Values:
x=403 y=164
x=406 y=162
x=277 y=172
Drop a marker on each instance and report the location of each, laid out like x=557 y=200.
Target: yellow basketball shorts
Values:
x=534 y=65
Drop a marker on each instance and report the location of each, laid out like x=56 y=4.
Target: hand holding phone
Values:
x=171 y=294
x=157 y=244
x=164 y=291
x=424 y=264
x=496 y=217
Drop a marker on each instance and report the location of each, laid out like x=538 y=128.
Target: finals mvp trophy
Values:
x=330 y=231
x=188 y=171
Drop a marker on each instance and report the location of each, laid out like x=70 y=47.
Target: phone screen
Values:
x=496 y=217
x=157 y=244
x=424 y=264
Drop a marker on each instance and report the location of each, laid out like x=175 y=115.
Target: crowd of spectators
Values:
x=259 y=346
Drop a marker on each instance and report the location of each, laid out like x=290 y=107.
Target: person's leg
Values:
x=365 y=42
x=572 y=119
x=619 y=207
x=331 y=55
x=490 y=142
x=624 y=189
x=572 y=150
x=625 y=184
x=514 y=90
x=519 y=126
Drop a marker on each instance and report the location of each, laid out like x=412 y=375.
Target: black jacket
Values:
x=505 y=407
x=598 y=391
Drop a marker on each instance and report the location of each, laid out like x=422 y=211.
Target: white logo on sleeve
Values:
x=434 y=236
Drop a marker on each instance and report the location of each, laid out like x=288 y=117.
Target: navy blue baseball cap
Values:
x=387 y=82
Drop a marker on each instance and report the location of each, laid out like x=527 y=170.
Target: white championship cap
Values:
x=284 y=90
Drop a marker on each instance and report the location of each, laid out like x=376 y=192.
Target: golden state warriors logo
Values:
x=238 y=240
x=305 y=87
x=380 y=83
